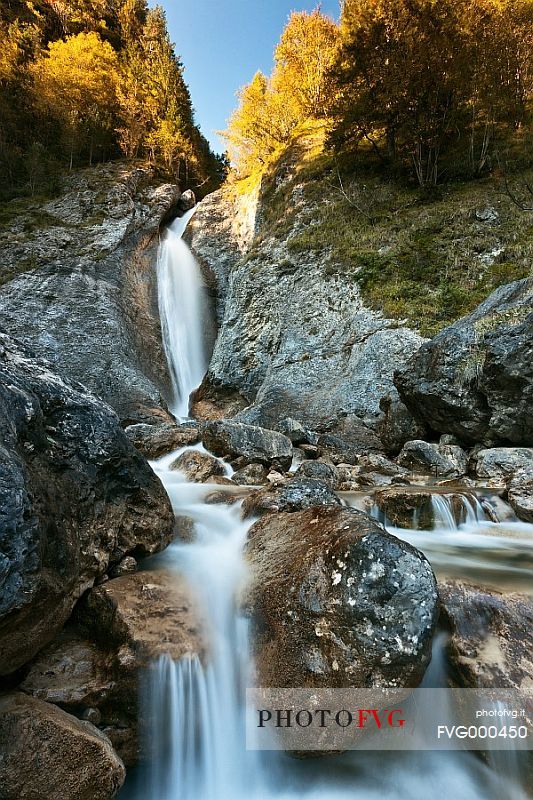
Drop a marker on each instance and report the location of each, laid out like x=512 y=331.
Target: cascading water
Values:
x=197 y=735
x=180 y=293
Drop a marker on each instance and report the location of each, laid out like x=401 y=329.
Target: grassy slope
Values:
x=426 y=261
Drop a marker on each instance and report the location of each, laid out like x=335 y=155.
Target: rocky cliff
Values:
x=77 y=283
x=295 y=339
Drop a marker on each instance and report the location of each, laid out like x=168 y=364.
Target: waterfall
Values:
x=195 y=709
x=452 y=511
x=181 y=299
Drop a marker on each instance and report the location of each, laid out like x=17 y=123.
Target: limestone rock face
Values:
x=75 y=498
x=294 y=341
x=82 y=287
x=48 y=754
x=247 y=444
x=338 y=602
x=491 y=642
x=475 y=378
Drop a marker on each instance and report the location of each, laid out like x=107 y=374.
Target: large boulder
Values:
x=475 y=378
x=94 y=669
x=75 y=498
x=295 y=339
x=247 y=444
x=502 y=463
x=81 y=287
x=338 y=602
x=491 y=636
x=47 y=754
x=439 y=460
x=154 y=441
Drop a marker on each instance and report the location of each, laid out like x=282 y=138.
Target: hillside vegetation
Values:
x=397 y=146
x=82 y=82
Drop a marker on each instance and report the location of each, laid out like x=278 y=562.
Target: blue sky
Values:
x=222 y=44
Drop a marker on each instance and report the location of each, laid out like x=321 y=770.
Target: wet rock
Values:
x=520 y=495
x=197 y=467
x=90 y=308
x=309 y=450
x=75 y=499
x=433 y=459
x=248 y=443
x=405 y=507
x=475 y=378
x=130 y=622
x=48 y=754
x=251 y=475
x=294 y=495
x=320 y=471
x=501 y=463
x=72 y=672
x=348 y=477
x=491 y=640
x=338 y=602
x=222 y=498
x=151 y=612
x=155 y=441
x=413 y=506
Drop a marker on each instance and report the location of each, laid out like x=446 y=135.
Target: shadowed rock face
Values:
x=338 y=602
x=87 y=301
x=75 y=497
x=475 y=378
x=48 y=754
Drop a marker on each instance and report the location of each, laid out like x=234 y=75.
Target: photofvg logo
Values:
x=324 y=717
x=388 y=719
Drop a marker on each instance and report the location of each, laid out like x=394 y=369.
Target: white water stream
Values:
x=181 y=300
x=197 y=742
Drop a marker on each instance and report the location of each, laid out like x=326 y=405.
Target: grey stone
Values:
x=475 y=378
x=520 y=495
x=75 y=498
x=295 y=342
x=439 y=460
x=501 y=463
x=154 y=441
x=248 y=443
x=491 y=639
x=293 y=495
